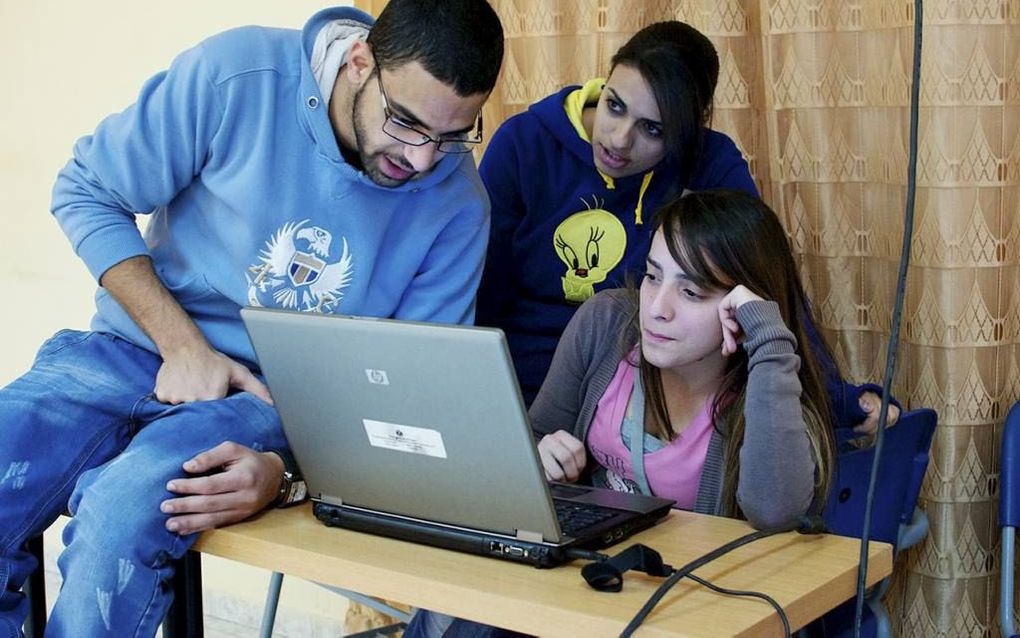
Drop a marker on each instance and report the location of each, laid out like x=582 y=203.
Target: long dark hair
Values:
x=722 y=238
x=682 y=68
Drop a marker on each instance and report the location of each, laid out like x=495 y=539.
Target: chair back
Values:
x=901 y=471
x=1009 y=470
x=1009 y=516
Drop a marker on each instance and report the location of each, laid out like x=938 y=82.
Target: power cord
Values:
x=901 y=283
x=575 y=553
x=751 y=594
x=805 y=525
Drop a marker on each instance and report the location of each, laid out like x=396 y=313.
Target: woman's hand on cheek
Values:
x=732 y=333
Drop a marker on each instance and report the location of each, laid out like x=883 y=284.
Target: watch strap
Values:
x=289 y=462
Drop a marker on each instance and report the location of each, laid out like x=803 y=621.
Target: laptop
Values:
x=417 y=431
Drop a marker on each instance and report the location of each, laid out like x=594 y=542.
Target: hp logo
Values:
x=377 y=377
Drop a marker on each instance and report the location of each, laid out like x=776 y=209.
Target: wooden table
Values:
x=807 y=575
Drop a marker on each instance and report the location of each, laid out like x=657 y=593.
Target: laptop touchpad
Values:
x=559 y=490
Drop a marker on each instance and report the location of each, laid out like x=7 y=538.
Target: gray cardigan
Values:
x=777 y=468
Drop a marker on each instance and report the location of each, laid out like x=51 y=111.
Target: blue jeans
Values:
x=429 y=624
x=82 y=431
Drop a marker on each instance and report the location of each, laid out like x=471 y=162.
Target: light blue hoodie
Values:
x=232 y=152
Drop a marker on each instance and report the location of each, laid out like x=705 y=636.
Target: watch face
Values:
x=295 y=493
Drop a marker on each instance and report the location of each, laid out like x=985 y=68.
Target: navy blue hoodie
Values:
x=561 y=230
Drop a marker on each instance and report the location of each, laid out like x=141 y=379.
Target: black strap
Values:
x=607 y=575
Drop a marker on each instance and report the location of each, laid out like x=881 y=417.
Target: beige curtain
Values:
x=815 y=92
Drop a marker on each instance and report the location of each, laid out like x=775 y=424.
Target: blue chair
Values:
x=895 y=518
x=1009 y=516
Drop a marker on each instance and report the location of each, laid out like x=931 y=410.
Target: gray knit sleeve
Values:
x=582 y=367
x=777 y=469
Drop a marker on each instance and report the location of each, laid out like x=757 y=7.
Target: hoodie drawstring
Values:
x=639 y=209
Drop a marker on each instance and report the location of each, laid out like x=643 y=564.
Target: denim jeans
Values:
x=429 y=624
x=82 y=431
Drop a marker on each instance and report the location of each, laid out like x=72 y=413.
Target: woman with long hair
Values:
x=707 y=369
x=573 y=181
x=702 y=386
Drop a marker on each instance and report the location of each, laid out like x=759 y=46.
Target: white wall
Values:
x=64 y=65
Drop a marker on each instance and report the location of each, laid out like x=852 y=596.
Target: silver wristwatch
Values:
x=293 y=489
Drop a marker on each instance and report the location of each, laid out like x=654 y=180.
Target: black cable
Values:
x=901 y=284
x=751 y=594
x=586 y=554
x=809 y=525
x=680 y=573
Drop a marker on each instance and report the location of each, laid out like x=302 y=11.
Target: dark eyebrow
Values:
x=681 y=277
x=616 y=96
x=403 y=113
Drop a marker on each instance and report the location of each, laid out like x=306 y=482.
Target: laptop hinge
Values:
x=530 y=537
x=331 y=500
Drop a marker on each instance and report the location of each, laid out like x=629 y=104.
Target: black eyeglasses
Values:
x=408 y=134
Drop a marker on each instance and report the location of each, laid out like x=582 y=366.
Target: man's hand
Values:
x=248 y=482
x=203 y=374
x=871 y=403
x=191 y=370
x=563 y=456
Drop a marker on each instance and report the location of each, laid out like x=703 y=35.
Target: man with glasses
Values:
x=276 y=170
x=403 y=129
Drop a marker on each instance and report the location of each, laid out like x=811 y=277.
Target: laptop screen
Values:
x=413 y=419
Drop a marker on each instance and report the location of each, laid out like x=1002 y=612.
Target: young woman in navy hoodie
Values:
x=573 y=181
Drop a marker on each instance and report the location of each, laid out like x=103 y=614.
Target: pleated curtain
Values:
x=816 y=94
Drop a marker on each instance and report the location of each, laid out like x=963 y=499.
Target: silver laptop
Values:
x=418 y=431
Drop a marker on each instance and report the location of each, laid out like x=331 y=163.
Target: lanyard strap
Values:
x=634 y=425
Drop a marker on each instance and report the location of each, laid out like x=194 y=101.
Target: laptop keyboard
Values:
x=575 y=518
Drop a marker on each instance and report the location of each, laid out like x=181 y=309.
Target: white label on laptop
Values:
x=405 y=438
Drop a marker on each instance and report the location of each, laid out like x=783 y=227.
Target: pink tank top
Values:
x=673 y=470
